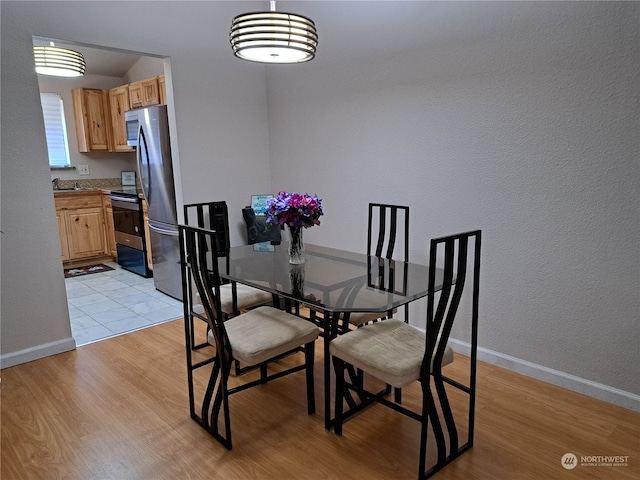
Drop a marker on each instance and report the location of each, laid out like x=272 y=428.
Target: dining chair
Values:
x=388 y=228
x=253 y=338
x=387 y=239
x=399 y=354
x=234 y=298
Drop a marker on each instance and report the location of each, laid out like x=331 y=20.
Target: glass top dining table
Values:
x=335 y=282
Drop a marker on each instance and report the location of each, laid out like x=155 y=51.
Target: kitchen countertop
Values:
x=87 y=191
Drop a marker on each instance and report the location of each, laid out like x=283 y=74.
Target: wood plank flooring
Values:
x=118 y=410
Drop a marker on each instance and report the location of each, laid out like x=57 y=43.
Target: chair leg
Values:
x=215 y=402
x=309 y=357
x=339 y=367
x=397 y=395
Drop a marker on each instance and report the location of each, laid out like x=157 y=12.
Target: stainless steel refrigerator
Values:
x=148 y=130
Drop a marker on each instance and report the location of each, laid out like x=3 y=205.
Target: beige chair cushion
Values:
x=247 y=297
x=391 y=350
x=360 y=318
x=266 y=332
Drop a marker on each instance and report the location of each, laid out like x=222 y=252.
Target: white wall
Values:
x=518 y=118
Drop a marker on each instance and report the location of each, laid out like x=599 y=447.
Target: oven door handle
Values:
x=163 y=231
x=124 y=199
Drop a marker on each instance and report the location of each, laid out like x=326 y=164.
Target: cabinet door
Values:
x=85 y=229
x=150 y=92
x=92 y=122
x=135 y=95
x=62 y=232
x=118 y=104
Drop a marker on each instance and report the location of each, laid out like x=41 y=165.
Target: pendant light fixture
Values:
x=59 y=62
x=273 y=37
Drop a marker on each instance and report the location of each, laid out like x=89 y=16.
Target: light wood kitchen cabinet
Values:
x=85 y=232
x=110 y=243
x=162 y=90
x=93 y=125
x=81 y=222
x=118 y=104
x=147 y=237
x=144 y=93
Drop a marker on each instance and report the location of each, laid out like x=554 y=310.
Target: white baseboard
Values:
x=37 y=352
x=555 y=377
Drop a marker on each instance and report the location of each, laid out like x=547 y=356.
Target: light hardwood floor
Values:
x=118 y=410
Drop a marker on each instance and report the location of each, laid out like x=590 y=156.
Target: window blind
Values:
x=55 y=129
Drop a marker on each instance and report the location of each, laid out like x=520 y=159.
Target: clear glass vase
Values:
x=296 y=245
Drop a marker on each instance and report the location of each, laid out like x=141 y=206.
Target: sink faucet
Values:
x=55 y=183
x=76 y=186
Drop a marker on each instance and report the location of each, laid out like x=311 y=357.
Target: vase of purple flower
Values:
x=297 y=212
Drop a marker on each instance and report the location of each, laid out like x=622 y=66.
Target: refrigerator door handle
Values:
x=163 y=231
x=145 y=181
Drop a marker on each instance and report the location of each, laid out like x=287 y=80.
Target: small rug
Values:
x=79 y=271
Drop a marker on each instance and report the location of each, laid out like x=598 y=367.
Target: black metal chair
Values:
x=234 y=298
x=399 y=354
x=388 y=228
x=254 y=338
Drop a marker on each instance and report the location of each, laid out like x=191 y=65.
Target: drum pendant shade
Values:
x=273 y=37
x=59 y=62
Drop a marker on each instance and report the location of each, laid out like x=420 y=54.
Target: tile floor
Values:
x=103 y=305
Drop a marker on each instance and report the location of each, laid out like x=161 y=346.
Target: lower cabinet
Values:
x=81 y=225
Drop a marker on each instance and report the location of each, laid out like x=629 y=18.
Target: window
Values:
x=55 y=129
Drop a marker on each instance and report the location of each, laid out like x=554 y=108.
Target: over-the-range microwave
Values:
x=132 y=123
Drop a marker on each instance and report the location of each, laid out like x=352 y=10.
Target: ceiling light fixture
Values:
x=273 y=37
x=59 y=62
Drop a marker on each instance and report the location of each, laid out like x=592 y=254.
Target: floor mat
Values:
x=79 y=271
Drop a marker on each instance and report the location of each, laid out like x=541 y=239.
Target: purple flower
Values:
x=295 y=210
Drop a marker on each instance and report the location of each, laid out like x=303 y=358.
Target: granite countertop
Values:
x=90 y=186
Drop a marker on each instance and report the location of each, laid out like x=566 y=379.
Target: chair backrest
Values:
x=459 y=258
x=199 y=260
x=388 y=228
x=212 y=216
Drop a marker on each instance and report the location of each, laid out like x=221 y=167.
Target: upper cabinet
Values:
x=99 y=114
x=144 y=93
x=119 y=103
x=93 y=128
x=162 y=90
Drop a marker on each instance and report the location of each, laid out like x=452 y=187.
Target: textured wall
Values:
x=519 y=118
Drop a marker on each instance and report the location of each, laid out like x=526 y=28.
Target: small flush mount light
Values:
x=59 y=62
x=273 y=37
